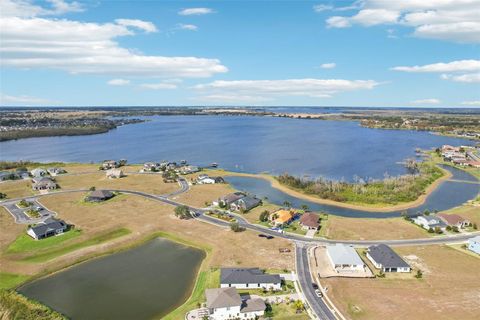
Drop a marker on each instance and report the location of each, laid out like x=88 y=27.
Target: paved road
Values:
x=305 y=280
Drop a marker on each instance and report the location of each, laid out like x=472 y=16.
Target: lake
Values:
x=140 y=283
x=447 y=195
x=333 y=149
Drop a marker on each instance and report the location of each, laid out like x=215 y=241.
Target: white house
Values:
x=114 y=173
x=474 y=244
x=428 y=222
x=344 y=258
x=226 y=303
x=249 y=278
x=384 y=258
x=39 y=172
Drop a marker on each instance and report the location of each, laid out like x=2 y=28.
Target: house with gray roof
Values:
x=344 y=258
x=47 y=228
x=230 y=198
x=245 y=204
x=43 y=184
x=249 y=278
x=226 y=303
x=99 y=196
x=39 y=172
x=387 y=260
x=430 y=221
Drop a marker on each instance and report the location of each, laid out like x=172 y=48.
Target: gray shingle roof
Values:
x=100 y=194
x=247 y=275
x=249 y=202
x=49 y=225
x=385 y=256
x=251 y=305
x=232 y=197
x=222 y=298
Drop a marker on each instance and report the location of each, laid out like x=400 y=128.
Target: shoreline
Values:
x=362 y=207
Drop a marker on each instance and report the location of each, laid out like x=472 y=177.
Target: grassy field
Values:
x=11 y=280
x=448 y=290
x=51 y=253
x=15 y=306
x=25 y=243
x=283 y=311
x=336 y=227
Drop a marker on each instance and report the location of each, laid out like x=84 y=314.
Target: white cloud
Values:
x=454 y=66
x=190 y=27
x=466 y=78
x=329 y=65
x=426 y=101
x=158 y=86
x=90 y=48
x=140 y=24
x=322 y=7
x=471 y=103
x=467 y=68
x=23 y=100
x=453 y=20
x=118 y=82
x=269 y=89
x=195 y=11
x=26 y=8
x=232 y=98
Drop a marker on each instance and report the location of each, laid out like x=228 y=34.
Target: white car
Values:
x=318 y=293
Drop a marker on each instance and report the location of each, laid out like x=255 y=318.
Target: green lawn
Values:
x=25 y=243
x=206 y=279
x=48 y=254
x=283 y=311
x=11 y=280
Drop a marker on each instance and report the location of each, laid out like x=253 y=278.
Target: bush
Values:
x=3 y=195
x=419 y=274
x=235 y=227
x=182 y=212
x=92 y=188
x=264 y=216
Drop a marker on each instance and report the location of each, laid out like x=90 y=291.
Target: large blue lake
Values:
x=334 y=149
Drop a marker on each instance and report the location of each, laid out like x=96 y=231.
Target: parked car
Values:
x=319 y=293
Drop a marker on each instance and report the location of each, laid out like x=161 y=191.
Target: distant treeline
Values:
x=50 y=132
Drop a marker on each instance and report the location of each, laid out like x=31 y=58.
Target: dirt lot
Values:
x=373 y=229
x=143 y=217
x=449 y=289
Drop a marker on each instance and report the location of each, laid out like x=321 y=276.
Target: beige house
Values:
x=114 y=173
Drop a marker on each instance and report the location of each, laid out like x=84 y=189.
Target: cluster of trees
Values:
x=390 y=190
x=236 y=227
x=182 y=212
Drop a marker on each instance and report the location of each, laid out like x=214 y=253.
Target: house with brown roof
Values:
x=310 y=221
x=454 y=220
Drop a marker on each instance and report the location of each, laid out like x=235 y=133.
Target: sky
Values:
x=409 y=53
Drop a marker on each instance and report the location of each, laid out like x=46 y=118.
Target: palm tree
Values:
x=287 y=204
x=304 y=207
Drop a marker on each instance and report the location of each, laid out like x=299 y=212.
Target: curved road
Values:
x=318 y=306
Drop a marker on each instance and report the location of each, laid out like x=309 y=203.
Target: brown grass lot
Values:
x=449 y=289
x=373 y=229
x=144 y=217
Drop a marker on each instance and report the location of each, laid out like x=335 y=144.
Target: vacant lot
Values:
x=199 y=195
x=143 y=217
x=449 y=289
x=16 y=188
x=373 y=229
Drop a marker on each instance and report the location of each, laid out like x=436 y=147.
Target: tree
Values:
x=3 y=195
x=438 y=230
x=430 y=230
x=455 y=229
x=475 y=226
x=235 y=227
x=182 y=212
x=268 y=310
x=92 y=188
x=304 y=207
x=264 y=216
x=419 y=274
x=298 y=306
x=426 y=212
x=287 y=204
x=449 y=228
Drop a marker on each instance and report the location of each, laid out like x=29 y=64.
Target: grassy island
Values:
x=390 y=190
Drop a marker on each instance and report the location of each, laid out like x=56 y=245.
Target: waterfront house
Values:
x=47 y=228
x=249 y=278
x=43 y=184
x=205 y=179
x=55 y=171
x=344 y=258
x=245 y=204
x=454 y=220
x=110 y=164
x=428 y=222
x=38 y=172
x=188 y=169
x=387 y=260
x=7 y=175
x=114 y=173
x=99 y=196
x=474 y=244
x=230 y=198
x=226 y=303
x=281 y=217
x=151 y=167
x=310 y=221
